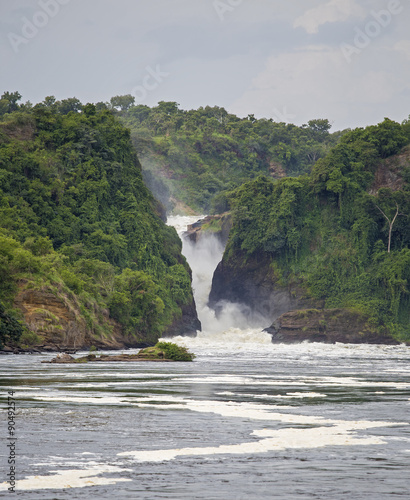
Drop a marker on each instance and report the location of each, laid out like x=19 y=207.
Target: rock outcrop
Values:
x=276 y=170
x=92 y=358
x=218 y=225
x=58 y=322
x=253 y=282
x=389 y=173
x=328 y=326
x=153 y=353
x=187 y=325
x=295 y=317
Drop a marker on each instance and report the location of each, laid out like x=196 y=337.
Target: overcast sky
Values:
x=290 y=60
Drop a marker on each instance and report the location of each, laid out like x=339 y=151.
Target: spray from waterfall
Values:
x=234 y=322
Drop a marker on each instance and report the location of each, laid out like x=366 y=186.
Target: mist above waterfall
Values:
x=203 y=257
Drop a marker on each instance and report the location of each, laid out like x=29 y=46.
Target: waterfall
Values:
x=234 y=322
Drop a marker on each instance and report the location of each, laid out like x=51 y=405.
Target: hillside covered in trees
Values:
x=338 y=238
x=86 y=259
x=194 y=156
x=84 y=255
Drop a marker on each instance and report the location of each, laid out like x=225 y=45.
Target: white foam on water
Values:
x=398 y=370
x=63 y=479
x=299 y=380
x=75 y=399
x=325 y=432
x=278 y=440
x=227 y=340
x=252 y=411
x=181 y=222
x=289 y=395
x=354 y=382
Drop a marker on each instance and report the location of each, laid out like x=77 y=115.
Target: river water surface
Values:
x=246 y=420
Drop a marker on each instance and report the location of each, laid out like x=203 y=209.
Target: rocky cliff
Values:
x=58 y=322
x=252 y=281
x=328 y=326
x=187 y=325
x=295 y=317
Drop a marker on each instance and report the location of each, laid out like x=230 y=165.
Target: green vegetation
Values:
x=11 y=329
x=162 y=351
x=328 y=234
x=175 y=352
x=197 y=156
x=78 y=221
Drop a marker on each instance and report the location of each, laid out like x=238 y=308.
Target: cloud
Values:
x=403 y=47
x=333 y=11
x=253 y=62
x=316 y=82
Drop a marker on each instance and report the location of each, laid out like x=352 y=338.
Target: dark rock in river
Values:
x=328 y=326
x=152 y=353
x=63 y=358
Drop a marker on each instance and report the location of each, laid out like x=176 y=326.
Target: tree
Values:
x=388 y=137
x=8 y=102
x=123 y=102
x=320 y=127
x=49 y=101
x=168 y=107
x=10 y=328
x=391 y=222
x=70 y=104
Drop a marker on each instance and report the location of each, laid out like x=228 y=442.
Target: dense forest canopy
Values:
x=196 y=155
x=190 y=159
x=77 y=220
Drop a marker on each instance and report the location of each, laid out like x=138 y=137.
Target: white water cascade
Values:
x=234 y=324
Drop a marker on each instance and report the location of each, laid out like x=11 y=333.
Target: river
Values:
x=246 y=420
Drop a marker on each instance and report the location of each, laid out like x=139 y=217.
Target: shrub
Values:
x=175 y=352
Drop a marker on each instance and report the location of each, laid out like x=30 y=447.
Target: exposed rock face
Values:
x=389 y=172
x=48 y=316
x=58 y=321
x=187 y=325
x=218 y=225
x=276 y=170
x=254 y=284
x=326 y=325
x=296 y=317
